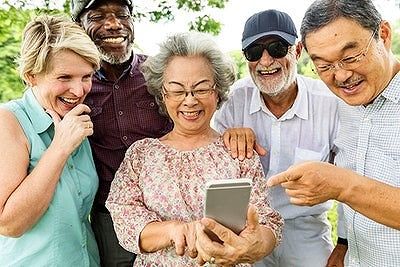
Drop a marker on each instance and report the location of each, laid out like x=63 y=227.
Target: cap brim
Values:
x=285 y=36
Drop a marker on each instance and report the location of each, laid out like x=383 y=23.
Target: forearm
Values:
x=377 y=201
x=269 y=241
x=31 y=198
x=156 y=236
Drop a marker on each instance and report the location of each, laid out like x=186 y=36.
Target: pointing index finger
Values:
x=280 y=178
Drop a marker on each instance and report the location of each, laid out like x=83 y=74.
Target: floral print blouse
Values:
x=156 y=182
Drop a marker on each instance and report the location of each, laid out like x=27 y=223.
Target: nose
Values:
x=266 y=59
x=112 y=22
x=78 y=89
x=190 y=99
x=341 y=75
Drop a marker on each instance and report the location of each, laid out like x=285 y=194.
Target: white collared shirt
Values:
x=369 y=143
x=305 y=132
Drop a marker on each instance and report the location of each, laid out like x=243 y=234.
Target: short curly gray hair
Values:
x=189 y=44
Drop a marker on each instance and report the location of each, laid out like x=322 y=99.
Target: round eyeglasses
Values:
x=176 y=92
x=347 y=63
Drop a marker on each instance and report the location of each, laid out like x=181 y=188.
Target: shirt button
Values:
x=70 y=167
x=125 y=137
x=152 y=104
x=116 y=86
x=120 y=112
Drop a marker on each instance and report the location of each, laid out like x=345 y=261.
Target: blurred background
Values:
x=224 y=19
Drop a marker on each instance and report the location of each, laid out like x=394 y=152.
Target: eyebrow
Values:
x=193 y=85
x=347 y=46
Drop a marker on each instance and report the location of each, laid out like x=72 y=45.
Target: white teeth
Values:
x=193 y=113
x=69 y=100
x=114 y=40
x=264 y=72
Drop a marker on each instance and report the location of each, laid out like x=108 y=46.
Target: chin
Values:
x=115 y=59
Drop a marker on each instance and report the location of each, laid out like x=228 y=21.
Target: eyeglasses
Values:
x=347 y=63
x=176 y=93
x=276 y=49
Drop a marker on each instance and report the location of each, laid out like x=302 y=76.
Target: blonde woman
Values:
x=47 y=176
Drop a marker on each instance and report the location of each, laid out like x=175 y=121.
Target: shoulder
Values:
x=142 y=146
x=242 y=89
x=7 y=115
x=13 y=131
x=140 y=58
x=314 y=87
x=243 y=84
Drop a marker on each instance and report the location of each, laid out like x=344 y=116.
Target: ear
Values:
x=299 y=49
x=385 y=33
x=31 y=79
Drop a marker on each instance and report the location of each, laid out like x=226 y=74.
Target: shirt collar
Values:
x=392 y=91
x=41 y=121
x=134 y=60
x=299 y=108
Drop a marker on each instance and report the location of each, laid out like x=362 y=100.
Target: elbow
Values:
x=10 y=230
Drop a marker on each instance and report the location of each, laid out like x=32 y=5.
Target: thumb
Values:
x=54 y=115
x=260 y=149
x=252 y=217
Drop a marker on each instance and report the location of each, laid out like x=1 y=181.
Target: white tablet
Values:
x=227 y=202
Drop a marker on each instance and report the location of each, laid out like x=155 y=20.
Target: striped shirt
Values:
x=369 y=143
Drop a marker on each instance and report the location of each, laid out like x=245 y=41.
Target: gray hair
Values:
x=45 y=36
x=189 y=44
x=323 y=12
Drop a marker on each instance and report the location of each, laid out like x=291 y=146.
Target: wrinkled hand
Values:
x=336 y=259
x=70 y=131
x=312 y=183
x=241 y=142
x=247 y=247
x=183 y=236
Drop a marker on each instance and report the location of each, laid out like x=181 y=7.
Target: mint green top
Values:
x=63 y=235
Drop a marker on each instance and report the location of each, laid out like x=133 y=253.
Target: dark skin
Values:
x=110 y=25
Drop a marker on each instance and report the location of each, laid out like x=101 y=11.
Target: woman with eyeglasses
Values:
x=157 y=197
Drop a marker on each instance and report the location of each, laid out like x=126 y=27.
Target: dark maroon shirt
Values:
x=122 y=112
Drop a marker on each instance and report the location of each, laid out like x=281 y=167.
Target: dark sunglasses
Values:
x=276 y=49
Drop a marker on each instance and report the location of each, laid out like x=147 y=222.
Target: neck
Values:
x=189 y=141
x=279 y=104
x=113 y=71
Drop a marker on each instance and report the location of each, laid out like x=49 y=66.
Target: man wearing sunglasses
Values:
x=295 y=119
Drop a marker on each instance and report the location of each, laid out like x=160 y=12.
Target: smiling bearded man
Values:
x=122 y=110
x=295 y=119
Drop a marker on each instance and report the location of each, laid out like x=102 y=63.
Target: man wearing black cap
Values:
x=122 y=111
x=295 y=119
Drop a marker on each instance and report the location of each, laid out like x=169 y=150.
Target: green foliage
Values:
x=332 y=217
x=305 y=66
x=201 y=22
x=12 y=22
x=10 y=38
x=14 y=14
x=241 y=63
x=206 y=24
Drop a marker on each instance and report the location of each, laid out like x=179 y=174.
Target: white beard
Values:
x=116 y=60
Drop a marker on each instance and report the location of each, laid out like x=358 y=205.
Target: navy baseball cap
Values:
x=270 y=22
